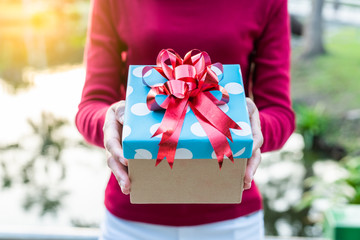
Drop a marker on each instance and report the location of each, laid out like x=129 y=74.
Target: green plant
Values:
x=341 y=189
x=332 y=79
x=42 y=170
x=311 y=123
x=353 y=179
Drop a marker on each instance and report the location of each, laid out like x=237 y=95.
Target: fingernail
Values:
x=123 y=161
x=122 y=185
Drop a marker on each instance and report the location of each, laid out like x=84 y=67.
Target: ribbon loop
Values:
x=184 y=72
x=189 y=82
x=176 y=88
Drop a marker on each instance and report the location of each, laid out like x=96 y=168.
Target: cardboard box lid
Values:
x=140 y=123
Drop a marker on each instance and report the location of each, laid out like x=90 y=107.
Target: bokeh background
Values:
x=50 y=177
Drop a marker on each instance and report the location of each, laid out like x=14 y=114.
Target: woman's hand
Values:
x=255 y=159
x=112 y=142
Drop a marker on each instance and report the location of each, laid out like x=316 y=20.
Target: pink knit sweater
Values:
x=232 y=32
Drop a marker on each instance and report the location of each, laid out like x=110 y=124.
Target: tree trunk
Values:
x=314 y=44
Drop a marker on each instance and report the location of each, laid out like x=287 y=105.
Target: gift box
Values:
x=195 y=176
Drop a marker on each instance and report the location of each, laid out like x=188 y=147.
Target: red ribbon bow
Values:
x=190 y=81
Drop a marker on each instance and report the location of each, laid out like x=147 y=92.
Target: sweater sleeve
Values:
x=103 y=70
x=271 y=88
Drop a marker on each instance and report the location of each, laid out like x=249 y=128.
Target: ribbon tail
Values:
x=224 y=98
x=167 y=150
x=217 y=139
x=172 y=116
x=217 y=118
x=169 y=140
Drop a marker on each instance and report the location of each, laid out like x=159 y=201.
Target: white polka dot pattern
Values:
x=153 y=129
x=234 y=88
x=239 y=153
x=183 y=153
x=142 y=154
x=140 y=109
x=216 y=70
x=224 y=108
x=137 y=72
x=213 y=156
x=126 y=131
x=129 y=91
x=197 y=130
x=245 y=129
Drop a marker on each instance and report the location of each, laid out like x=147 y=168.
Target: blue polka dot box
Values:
x=140 y=123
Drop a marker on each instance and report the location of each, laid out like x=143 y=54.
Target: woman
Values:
x=254 y=34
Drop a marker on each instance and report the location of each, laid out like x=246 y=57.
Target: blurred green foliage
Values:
x=47 y=155
x=6 y=178
x=311 y=123
x=324 y=90
x=341 y=189
x=331 y=80
x=42 y=162
x=352 y=165
x=48 y=200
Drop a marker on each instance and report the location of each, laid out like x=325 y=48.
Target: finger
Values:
x=258 y=138
x=255 y=124
x=251 y=167
x=121 y=174
x=113 y=146
x=119 y=110
x=112 y=137
x=247 y=186
x=251 y=107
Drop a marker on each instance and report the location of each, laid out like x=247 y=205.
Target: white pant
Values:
x=249 y=227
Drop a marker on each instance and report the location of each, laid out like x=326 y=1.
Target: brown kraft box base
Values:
x=190 y=181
